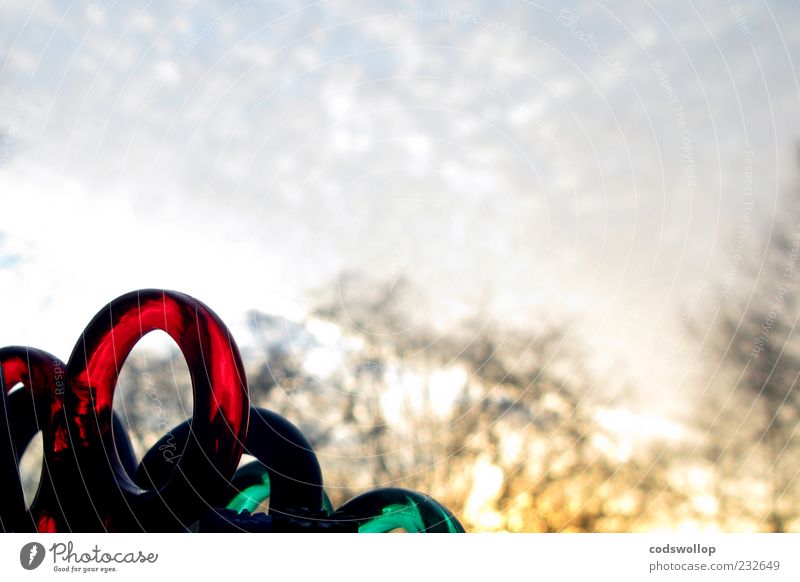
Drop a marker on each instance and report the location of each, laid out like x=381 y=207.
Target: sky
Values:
x=590 y=162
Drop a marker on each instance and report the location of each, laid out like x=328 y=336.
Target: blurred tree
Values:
x=751 y=412
x=498 y=424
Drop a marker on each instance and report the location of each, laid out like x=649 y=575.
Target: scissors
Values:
x=90 y=479
x=86 y=483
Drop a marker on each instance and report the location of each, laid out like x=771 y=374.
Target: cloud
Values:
x=247 y=153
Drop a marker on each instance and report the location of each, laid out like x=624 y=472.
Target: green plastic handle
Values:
x=388 y=509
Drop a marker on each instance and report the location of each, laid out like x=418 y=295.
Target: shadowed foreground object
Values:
x=293 y=476
x=38 y=405
x=90 y=480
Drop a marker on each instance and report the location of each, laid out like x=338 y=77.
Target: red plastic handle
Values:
x=44 y=378
x=220 y=417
